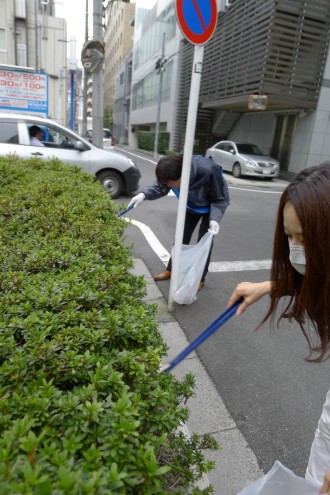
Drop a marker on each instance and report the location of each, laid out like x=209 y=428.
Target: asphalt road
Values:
x=274 y=396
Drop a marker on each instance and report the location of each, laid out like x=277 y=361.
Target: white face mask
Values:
x=297 y=257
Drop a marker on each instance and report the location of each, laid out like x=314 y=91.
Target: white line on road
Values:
x=255 y=190
x=153 y=241
x=138 y=156
x=215 y=266
x=239 y=266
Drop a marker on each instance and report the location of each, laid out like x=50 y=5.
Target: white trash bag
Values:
x=192 y=263
x=280 y=481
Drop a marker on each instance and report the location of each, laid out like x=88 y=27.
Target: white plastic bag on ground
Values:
x=192 y=263
x=280 y=481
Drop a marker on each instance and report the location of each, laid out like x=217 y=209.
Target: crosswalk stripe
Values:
x=215 y=266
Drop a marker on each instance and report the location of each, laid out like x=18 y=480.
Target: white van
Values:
x=117 y=173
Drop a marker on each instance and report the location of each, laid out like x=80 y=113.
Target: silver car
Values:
x=244 y=159
x=117 y=173
x=108 y=139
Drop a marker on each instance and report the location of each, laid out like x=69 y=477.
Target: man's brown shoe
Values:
x=201 y=284
x=162 y=276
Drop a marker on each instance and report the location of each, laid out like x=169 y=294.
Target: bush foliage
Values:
x=146 y=141
x=83 y=409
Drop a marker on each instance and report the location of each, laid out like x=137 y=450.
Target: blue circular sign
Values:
x=197 y=19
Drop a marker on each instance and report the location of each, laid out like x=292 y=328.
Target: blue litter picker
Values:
x=122 y=213
x=221 y=320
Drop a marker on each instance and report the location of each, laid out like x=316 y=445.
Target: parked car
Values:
x=244 y=159
x=117 y=173
x=108 y=139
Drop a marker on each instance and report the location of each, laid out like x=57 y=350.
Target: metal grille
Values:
x=274 y=47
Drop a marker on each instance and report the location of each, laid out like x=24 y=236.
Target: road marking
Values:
x=138 y=156
x=153 y=241
x=239 y=266
x=255 y=190
x=215 y=266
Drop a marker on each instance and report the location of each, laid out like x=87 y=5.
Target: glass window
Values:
x=3 y=43
x=249 y=149
x=146 y=92
x=8 y=133
x=52 y=137
x=153 y=29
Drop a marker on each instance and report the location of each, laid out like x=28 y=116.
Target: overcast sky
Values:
x=73 y=12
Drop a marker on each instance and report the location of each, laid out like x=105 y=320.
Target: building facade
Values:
x=123 y=100
x=29 y=34
x=118 y=38
x=279 y=49
x=155 y=27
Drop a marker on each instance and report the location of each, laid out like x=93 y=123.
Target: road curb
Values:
x=236 y=464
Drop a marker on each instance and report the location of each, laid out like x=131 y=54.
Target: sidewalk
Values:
x=236 y=465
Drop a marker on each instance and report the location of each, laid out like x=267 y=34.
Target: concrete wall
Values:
x=257 y=128
x=312 y=137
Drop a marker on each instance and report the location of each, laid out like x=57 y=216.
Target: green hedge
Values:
x=83 y=409
x=146 y=141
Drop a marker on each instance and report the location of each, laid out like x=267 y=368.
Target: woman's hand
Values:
x=251 y=292
x=326 y=484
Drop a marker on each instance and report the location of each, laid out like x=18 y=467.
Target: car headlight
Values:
x=132 y=164
x=251 y=163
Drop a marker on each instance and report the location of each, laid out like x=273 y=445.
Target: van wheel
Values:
x=112 y=183
x=237 y=170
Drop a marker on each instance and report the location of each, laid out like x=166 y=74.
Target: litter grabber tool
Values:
x=221 y=320
x=122 y=213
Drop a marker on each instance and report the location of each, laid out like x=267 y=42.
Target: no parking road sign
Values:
x=197 y=19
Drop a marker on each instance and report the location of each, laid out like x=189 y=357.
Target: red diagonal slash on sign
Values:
x=197 y=19
x=199 y=15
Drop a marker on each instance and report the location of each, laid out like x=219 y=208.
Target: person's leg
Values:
x=191 y=221
x=204 y=227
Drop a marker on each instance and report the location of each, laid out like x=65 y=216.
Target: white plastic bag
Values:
x=192 y=263
x=280 y=481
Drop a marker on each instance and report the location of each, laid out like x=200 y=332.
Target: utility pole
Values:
x=98 y=77
x=84 y=122
x=159 y=66
x=73 y=70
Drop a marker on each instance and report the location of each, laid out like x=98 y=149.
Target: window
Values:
x=21 y=54
x=56 y=138
x=146 y=92
x=8 y=133
x=151 y=40
x=3 y=40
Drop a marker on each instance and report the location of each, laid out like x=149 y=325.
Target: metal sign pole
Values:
x=97 y=79
x=187 y=156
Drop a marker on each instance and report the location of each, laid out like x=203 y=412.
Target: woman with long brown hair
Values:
x=301 y=272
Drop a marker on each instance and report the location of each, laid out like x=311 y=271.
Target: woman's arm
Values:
x=326 y=484
x=251 y=292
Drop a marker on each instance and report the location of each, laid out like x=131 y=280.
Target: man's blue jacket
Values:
x=207 y=188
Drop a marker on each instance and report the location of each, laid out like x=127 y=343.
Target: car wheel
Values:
x=237 y=170
x=112 y=182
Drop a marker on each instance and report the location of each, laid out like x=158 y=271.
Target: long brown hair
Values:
x=309 y=294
